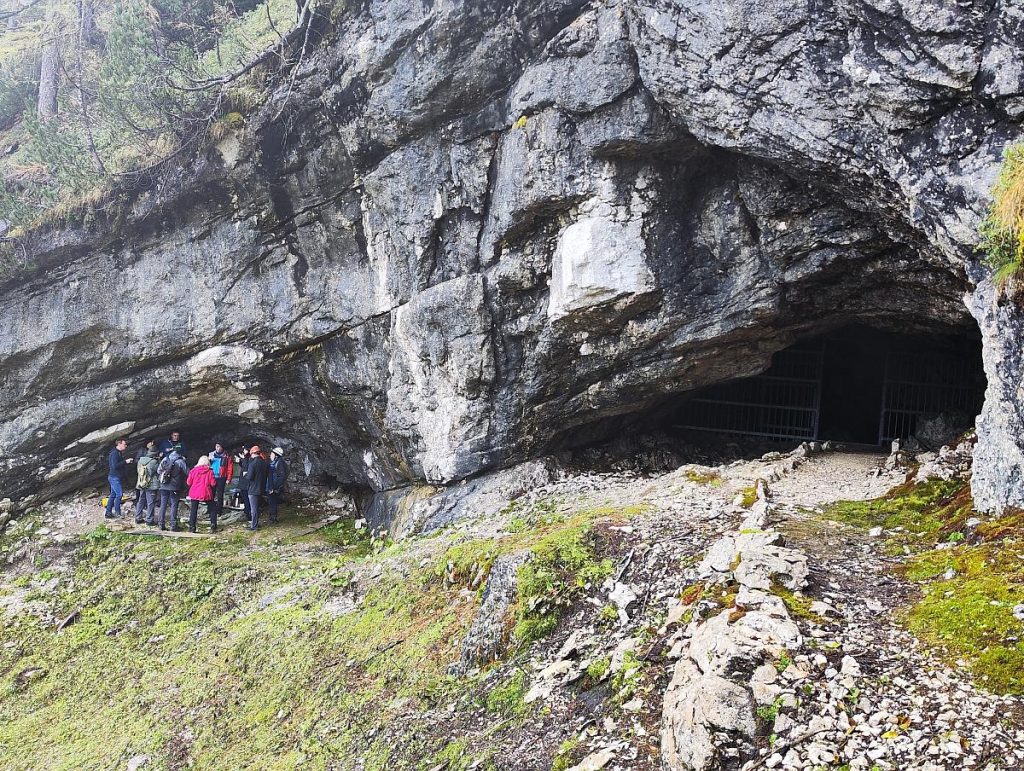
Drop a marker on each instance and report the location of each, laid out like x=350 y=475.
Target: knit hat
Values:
x=278 y=452
x=203 y=461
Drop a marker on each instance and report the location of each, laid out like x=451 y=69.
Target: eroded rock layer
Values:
x=479 y=227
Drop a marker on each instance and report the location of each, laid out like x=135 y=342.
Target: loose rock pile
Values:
x=724 y=684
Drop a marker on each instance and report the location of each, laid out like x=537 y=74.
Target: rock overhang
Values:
x=400 y=308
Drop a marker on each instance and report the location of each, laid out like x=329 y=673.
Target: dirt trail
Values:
x=835 y=476
x=912 y=710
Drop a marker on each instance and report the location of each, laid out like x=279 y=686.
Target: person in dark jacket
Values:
x=148 y=487
x=172 y=473
x=242 y=459
x=140 y=456
x=173 y=443
x=277 y=481
x=255 y=484
x=117 y=470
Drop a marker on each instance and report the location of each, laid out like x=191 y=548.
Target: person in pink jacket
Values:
x=201 y=482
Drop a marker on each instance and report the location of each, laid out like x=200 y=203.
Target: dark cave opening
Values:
x=857 y=385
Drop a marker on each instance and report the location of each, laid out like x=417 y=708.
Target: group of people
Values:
x=162 y=474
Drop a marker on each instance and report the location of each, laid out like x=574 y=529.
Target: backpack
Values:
x=145 y=476
x=165 y=471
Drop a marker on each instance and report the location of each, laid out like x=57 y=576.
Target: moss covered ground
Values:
x=260 y=653
x=970 y=578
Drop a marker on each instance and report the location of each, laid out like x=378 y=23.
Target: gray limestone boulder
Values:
x=487 y=640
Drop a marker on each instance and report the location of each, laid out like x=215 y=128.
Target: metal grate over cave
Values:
x=860 y=386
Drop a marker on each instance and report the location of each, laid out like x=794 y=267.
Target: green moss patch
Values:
x=798 y=605
x=344 y=535
x=970 y=616
x=567 y=756
x=237 y=644
x=926 y=513
x=968 y=590
x=508 y=699
x=708 y=478
x=749 y=496
x=239 y=652
x=562 y=566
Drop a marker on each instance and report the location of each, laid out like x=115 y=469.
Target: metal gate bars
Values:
x=922 y=378
x=783 y=403
x=926 y=383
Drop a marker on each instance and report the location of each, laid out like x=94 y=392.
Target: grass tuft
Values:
x=1002 y=233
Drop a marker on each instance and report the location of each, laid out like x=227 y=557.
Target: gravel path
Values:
x=835 y=476
x=871 y=697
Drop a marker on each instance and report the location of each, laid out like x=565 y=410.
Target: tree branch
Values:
x=6 y=15
x=295 y=67
x=301 y=29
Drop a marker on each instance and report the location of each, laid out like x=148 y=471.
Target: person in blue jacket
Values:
x=117 y=470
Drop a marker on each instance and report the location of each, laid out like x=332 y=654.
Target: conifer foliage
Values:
x=94 y=93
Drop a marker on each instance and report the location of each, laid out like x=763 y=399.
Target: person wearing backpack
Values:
x=139 y=457
x=147 y=486
x=117 y=469
x=171 y=474
x=277 y=481
x=201 y=483
x=223 y=467
x=255 y=484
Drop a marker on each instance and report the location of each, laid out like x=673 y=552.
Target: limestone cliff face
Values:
x=478 y=227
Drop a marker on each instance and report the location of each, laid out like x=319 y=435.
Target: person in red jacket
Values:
x=201 y=483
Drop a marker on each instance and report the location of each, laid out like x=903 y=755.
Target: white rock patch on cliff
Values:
x=598 y=261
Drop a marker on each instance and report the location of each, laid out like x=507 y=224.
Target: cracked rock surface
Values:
x=481 y=229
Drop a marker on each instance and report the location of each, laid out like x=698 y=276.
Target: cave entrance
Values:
x=857 y=385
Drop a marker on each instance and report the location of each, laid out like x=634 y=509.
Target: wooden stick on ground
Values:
x=319 y=525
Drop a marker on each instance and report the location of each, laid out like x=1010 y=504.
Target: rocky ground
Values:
x=636 y=612
x=870 y=695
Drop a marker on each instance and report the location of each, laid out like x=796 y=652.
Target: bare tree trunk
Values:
x=86 y=10
x=49 y=72
x=86 y=34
